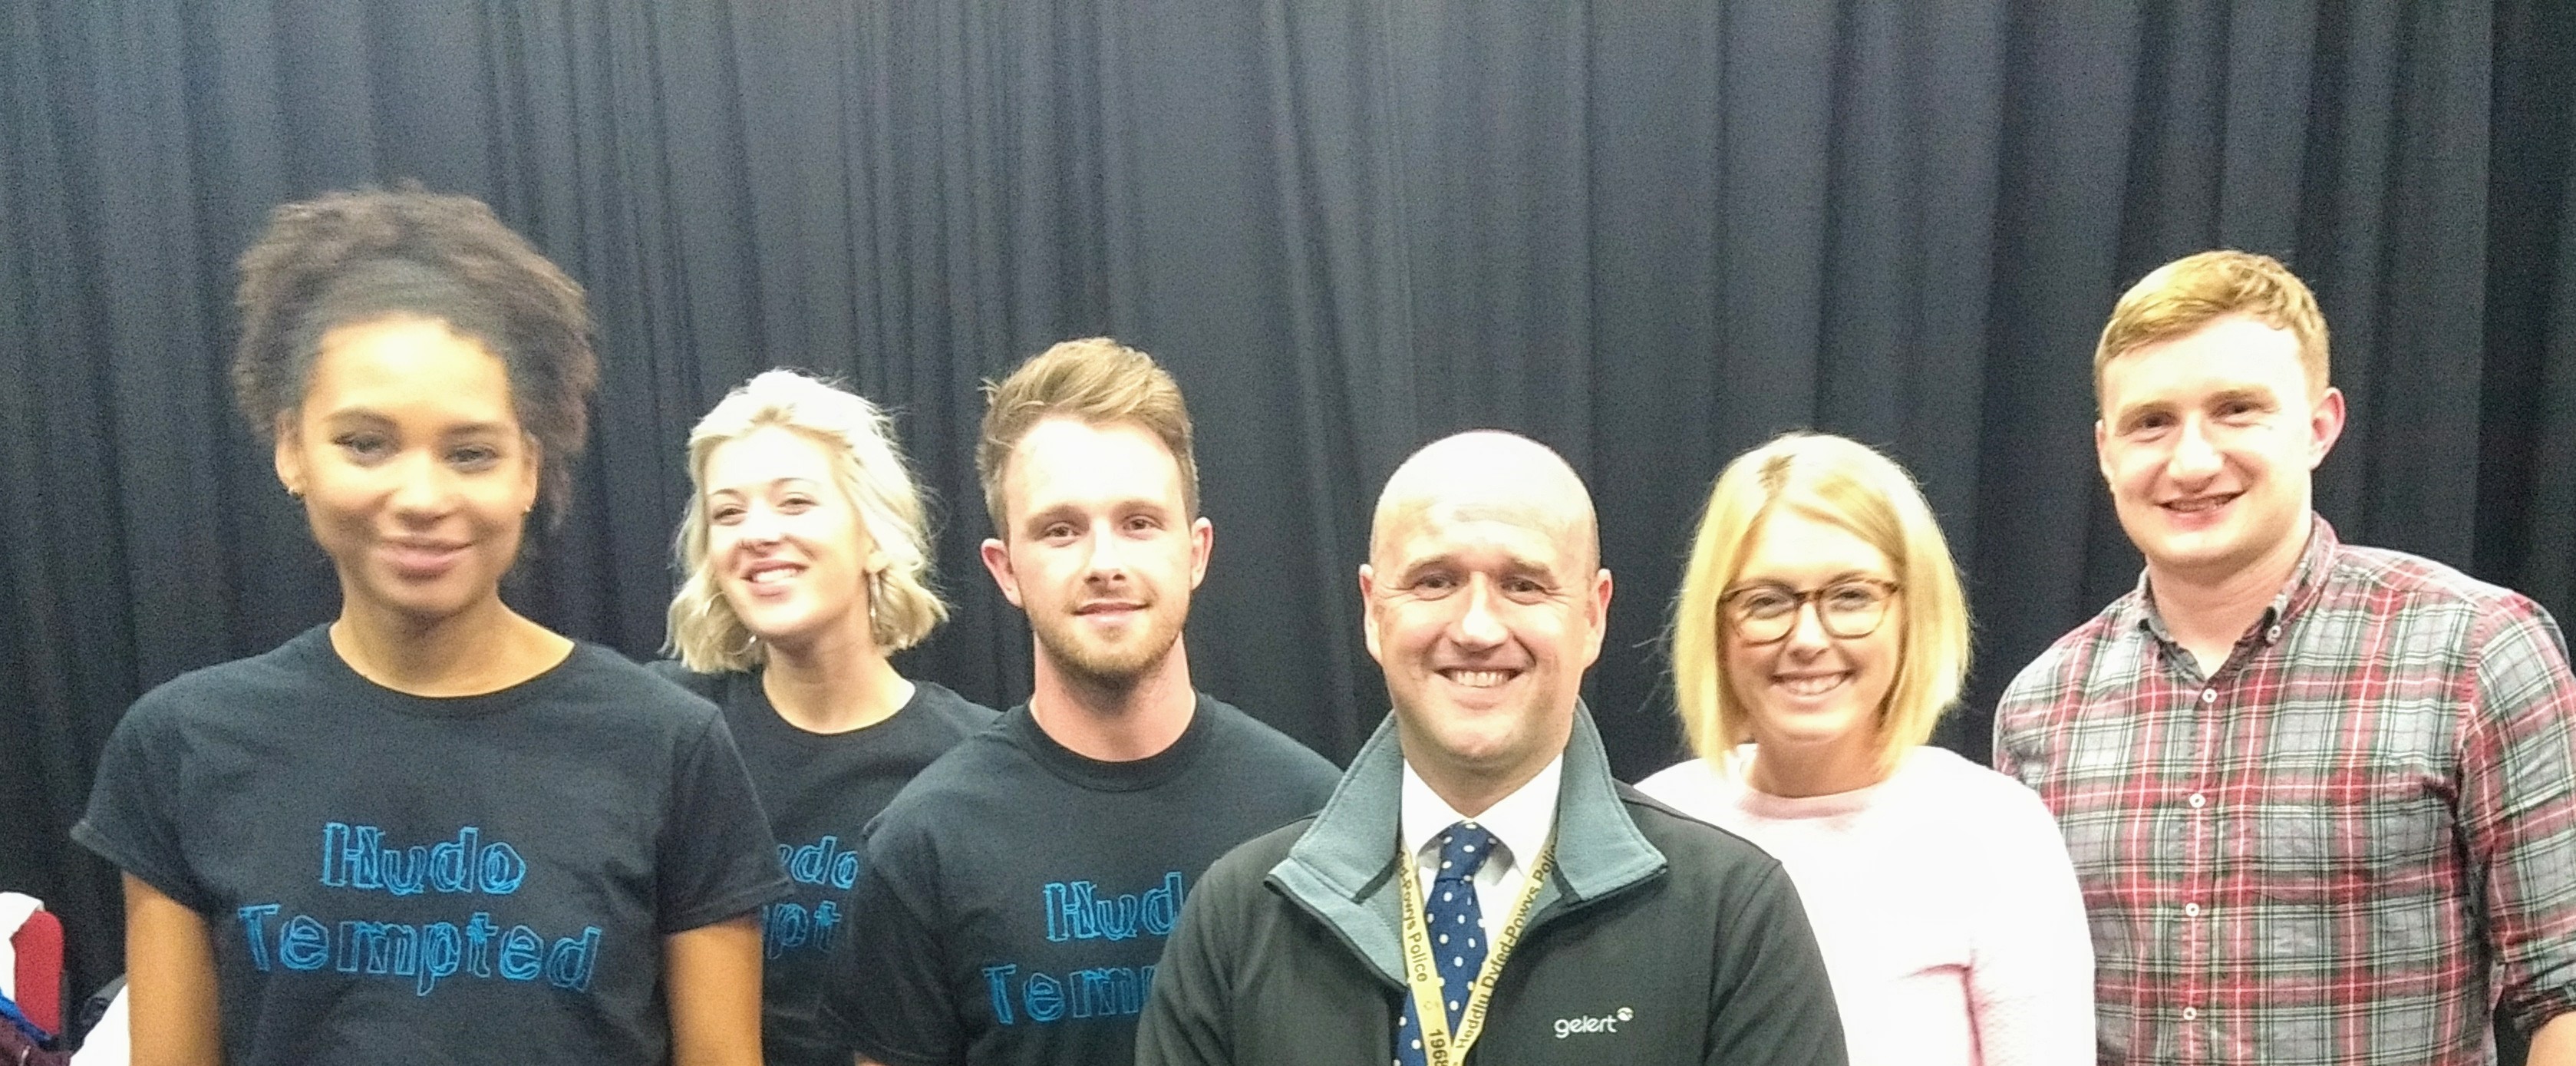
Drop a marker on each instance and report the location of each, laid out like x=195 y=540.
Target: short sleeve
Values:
x=891 y=998
x=131 y=821
x=716 y=856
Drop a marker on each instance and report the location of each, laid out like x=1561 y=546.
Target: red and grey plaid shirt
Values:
x=2344 y=845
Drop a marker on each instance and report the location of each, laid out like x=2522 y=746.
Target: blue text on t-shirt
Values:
x=1075 y=910
x=356 y=858
x=790 y=925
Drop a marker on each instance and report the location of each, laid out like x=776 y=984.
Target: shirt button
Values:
x=2191 y=910
x=2189 y=1014
x=2199 y=800
x=2272 y=635
x=2209 y=695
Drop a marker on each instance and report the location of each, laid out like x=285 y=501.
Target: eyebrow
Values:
x=1130 y=505
x=725 y=490
x=371 y=416
x=2253 y=394
x=1514 y=566
x=2249 y=394
x=1837 y=579
x=2137 y=408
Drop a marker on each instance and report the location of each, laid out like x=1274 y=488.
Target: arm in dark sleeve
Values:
x=891 y=999
x=1771 y=1003
x=717 y=860
x=1187 y=1012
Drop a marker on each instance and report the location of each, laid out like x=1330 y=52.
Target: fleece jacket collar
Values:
x=1343 y=869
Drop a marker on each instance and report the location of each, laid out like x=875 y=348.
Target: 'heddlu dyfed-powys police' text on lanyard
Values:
x=1439 y=1047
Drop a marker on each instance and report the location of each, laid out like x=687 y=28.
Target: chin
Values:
x=1475 y=748
x=770 y=635
x=1112 y=665
x=425 y=609
x=1820 y=734
x=773 y=625
x=2196 y=557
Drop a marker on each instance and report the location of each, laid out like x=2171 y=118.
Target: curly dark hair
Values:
x=356 y=255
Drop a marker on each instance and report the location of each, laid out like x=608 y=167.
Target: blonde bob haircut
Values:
x=902 y=608
x=1843 y=482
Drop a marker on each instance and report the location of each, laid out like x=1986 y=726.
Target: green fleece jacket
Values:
x=1655 y=939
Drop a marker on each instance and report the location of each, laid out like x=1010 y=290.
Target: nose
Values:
x=1807 y=633
x=2194 y=457
x=1477 y=624
x=423 y=487
x=1108 y=558
x=759 y=524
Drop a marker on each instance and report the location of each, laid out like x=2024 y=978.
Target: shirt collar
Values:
x=2295 y=595
x=1520 y=821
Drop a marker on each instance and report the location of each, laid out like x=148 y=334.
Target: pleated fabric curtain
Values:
x=1651 y=233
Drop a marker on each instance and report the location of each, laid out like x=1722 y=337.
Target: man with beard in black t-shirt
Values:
x=1020 y=890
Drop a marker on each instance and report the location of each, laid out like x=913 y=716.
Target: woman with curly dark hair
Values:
x=430 y=829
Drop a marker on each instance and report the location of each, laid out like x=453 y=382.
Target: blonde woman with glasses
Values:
x=1819 y=634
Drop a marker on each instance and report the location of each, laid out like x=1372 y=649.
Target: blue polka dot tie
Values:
x=1457 y=931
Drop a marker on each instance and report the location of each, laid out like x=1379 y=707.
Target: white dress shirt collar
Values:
x=1520 y=821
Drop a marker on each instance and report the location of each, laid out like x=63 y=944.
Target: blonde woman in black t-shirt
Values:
x=806 y=564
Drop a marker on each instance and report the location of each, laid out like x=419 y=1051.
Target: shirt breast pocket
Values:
x=2354 y=876
x=2349 y=838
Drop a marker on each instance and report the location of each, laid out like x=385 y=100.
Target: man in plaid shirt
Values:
x=2322 y=798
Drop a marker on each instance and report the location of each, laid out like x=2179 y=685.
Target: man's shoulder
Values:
x=951 y=711
x=2388 y=580
x=985 y=766
x=1245 y=866
x=1250 y=740
x=2068 y=662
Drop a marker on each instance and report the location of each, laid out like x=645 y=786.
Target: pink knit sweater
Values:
x=1942 y=897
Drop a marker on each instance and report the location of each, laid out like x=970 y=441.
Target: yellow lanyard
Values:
x=1439 y=1048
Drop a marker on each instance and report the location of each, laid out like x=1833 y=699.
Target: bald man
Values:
x=1479 y=881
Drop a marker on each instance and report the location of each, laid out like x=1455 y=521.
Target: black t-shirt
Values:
x=820 y=790
x=390 y=878
x=1019 y=894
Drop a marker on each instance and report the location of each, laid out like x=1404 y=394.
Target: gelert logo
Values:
x=1603 y=1023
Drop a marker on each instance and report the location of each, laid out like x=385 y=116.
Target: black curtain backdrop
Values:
x=1651 y=233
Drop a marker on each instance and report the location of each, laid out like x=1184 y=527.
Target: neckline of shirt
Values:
x=316 y=643
x=1106 y=776
x=1520 y=821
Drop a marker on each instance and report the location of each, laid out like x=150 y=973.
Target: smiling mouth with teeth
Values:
x=1479 y=678
x=1812 y=684
x=2199 y=504
x=772 y=576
